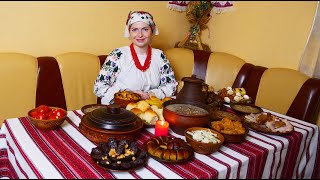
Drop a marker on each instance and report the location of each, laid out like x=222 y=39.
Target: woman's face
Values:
x=140 y=34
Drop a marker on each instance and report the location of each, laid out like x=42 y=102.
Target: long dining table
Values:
x=27 y=152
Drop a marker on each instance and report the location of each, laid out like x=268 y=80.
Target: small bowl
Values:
x=47 y=124
x=123 y=102
x=200 y=147
x=219 y=114
x=232 y=138
x=243 y=109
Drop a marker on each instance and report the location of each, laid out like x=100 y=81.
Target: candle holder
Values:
x=161 y=128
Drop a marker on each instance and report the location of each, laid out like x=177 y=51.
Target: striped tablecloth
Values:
x=27 y=152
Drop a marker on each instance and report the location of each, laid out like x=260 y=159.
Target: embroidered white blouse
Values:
x=120 y=73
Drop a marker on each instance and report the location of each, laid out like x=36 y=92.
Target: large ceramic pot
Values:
x=110 y=122
x=191 y=92
x=179 y=119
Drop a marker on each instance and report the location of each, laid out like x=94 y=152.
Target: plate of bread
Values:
x=149 y=110
x=168 y=149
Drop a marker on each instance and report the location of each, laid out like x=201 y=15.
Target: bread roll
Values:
x=166 y=154
x=173 y=155
x=136 y=111
x=159 y=111
x=143 y=105
x=159 y=147
x=150 y=116
x=131 y=106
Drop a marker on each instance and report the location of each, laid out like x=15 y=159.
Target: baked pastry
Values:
x=168 y=149
x=143 y=105
x=150 y=116
x=131 y=106
x=136 y=111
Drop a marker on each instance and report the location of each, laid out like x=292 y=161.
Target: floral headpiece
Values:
x=143 y=16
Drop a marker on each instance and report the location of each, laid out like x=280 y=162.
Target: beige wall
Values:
x=271 y=34
x=97 y=27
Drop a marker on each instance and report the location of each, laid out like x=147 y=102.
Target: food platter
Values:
x=251 y=121
x=90 y=107
x=186 y=147
x=119 y=155
x=176 y=161
x=145 y=160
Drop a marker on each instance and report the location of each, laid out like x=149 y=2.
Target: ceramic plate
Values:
x=263 y=128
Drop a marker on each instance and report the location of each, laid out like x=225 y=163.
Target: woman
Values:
x=138 y=67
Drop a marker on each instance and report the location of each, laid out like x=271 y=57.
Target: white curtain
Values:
x=310 y=60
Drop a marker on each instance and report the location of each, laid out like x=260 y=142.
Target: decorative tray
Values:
x=268 y=123
x=182 y=149
x=90 y=107
x=119 y=155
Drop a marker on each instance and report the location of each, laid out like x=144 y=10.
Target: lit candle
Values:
x=161 y=128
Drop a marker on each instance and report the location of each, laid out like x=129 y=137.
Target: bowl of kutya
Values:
x=203 y=140
x=233 y=131
x=123 y=98
x=47 y=117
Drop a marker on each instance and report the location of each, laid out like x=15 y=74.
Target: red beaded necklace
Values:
x=136 y=59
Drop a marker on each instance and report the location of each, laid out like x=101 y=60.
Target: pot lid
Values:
x=192 y=79
x=112 y=117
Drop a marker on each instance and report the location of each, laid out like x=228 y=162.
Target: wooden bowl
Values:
x=123 y=98
x=232 y=138
x=47 y=124
x=200 y=147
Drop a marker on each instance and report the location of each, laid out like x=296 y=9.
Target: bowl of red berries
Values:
x=47 y=117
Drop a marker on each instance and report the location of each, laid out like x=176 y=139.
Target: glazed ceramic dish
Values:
x=268 y=123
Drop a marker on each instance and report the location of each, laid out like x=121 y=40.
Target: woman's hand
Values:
x=143 y=95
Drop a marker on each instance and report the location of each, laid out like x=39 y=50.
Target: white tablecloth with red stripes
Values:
x=26 y=152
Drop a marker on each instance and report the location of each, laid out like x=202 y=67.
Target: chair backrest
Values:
x=217 y=69
x=78 y=71
x=18 y=77
x=222 y=70
x=181 y=61
x=289 y=92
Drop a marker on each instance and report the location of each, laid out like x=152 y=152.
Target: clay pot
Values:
x=178 y=122
x=191 y=92
x=112 y=121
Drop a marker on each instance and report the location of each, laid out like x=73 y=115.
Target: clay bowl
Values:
x=123 y=98
x=232 y=138
x=111 y=122
x=179 y=122
x=219 y=114
x=47 y=124
x=201 y=147
x=243 y=108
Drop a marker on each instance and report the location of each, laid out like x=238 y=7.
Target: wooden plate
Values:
x=90 y=107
